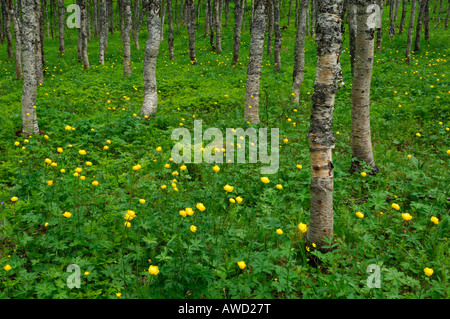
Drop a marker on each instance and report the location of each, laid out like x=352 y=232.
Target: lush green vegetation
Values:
x=114 y=260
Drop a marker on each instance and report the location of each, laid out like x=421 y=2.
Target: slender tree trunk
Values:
x=170 y=22
x=111 y=16
x=227 y=12
x=126 y=37
x=96 y=26
x=29 y=26
x=190 y=7
x=238 y=17
x=257 y=34
x=62 y=22
x=39 y=45
x=426 y=19
x=163 y=15
x=328 y=76
x=218 y=26
x=83 y=34
x=410 y=31
x=270 y=29
x=139 y=24
x=402 y=21
x=207 y=13
x=211 y=17
x=88 y=20
x=291 y=2
x=17 y=35
x=448 y=15
x=150 y=103
x=392 y=19
x=299 y=53
x=439 y=13
x=277 y=28
x=362 y=77
x=380 y=27
x=352 y=26
x=103 y=31
x=419 y=26
x=7 y=29
x=313 y=17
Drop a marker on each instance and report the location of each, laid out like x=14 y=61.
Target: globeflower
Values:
x=183 y=213
x=279 y=231
x=82 y=152
x=142 y=201
x=395 y=206
x=406 y=216
x=265 y=180
x=95 y=183
x=130 y=215
x=7 y=267
x=189 y=211
x=137 y=167
x=67 y=214
x=127 y=224
x=200 y=207
x=303 y=227
x=241 y=264
x=279 y=186
x=360 y=215
x=239 y=199
x=14 y=199
x=428 y=271
x=193 y=228
x=182 y=167
x=228 y=188
x=434 y=220
x=216 y=168
x=159 y=148
x=232 y=200
x=363 y=174
x=153 y=270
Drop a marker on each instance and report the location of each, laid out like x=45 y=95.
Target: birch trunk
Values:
x=29 y=26
x=96 y=25
x=426 y=19
x=352 y=26
x=170 y=22
x=139 y=24
x=362 y=77
x=257 y=34
x=380 y=27
x=150 y=103
x=83 y=34
x=419 y=26
x=392 y=19
x=238 y=17
x=299 y=53
x=190 y=8
x=402 y=21
x=218 y=26
x=103 y=31
x=410 y=31
x=270 y=28
x=62 y=22
x=18 y=44
x=39 y=48
x=126 y=38
x=328 y=78
x=7 y=29
x=277 y=29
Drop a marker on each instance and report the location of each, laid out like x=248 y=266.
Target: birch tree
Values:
x=410 y=31
x=29 y=26
x=238 y=17
x=15 y=18
x=278 y=41
x=327 y=84
x=257 y=35
x=126 y=38
x=190 y=9
x=299 y=52
x=362 y=77
x=103 y=31
x=62 y=22
x=150 y=103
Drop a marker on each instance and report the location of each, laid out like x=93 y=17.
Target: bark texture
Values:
x=15 y=18
x=238 y=17
x=277 y=29
x=299 y=53
x=327 y=84
x=255 y=61
x=150 y=103
x=190 y=10
x=103 y=32
x=126 y=38
x=61 y=21
x=410 y=31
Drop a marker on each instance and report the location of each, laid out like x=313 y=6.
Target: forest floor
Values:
x=114 y=260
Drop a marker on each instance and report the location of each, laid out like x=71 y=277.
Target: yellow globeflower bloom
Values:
x=88 y=163
x=279 y=231
x=395 y=206
x=241 y=264
x=228 y=188
x=46 y=224
x=127 y=224
x=299 y=166
x=153 y=270
x=406 y=216
x=434 y=220
x=428 y=271
x=67 y=214
x=54 y=164
x=142 y=201
x=163 y=186
x=360 y=215
x=200 y=207
x=78 y=169
x=216 y=168
x=183 y=167
x=48 y=161
x=16 y=143
x=303 y=227
x=232 y=200
x=363 y=174
x=279 y=186
x=7 y=267
x=189 y=211
x=95 y=183
x=137 y=167
x=60 y=150
x=50 y=183
x=239 y=199
x=14 y=199
x=183 y=213
x=82 y=152
x=265 y=180
x=159 y=149
x=193 y=228
x=167 y=165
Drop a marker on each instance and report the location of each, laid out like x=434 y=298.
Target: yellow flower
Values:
x=50 y=183
x=78 y=170
x=137 y=167
x=163 y=186
x=232 y=200
x=193 y=228
x=200 y=207
x=67 y=214
x=54 y=164
x=428 y=271
x=303 y=227
x=130 y=215
x=46 y=224
x=167 y=165
x=48 y=161
x=360 y=215
x=95 y=183
x=76 y=174
x=142 y=201
x=189 y=211
x=241 y=264
x=7 y=267
x=106 y=147
x=434 y=220
x=216 y=168
x=279 y=231
x=182 y=167
x=409 y=156
x=14 y=199
x=285 y=140
x=299 y=166
x=395 y=206
x=159 y=149
x=406 y=216
x=153 y=270
x=118 y=294
x=279 y=186
x=239 y=199
x=82 y=152
x=265 y=180
x=228 y=188
x=418 y=134
x=108 y=141
x=127 y=224
x=60 y=150
x=16 y=143
x=363 y=174
x=68 y=128
x=183 y=213
x=448 y=152
x=174 y=173
x=86 y=273
x=88 y=163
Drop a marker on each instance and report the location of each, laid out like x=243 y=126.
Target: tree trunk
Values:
x=103 y=31
x=362 y=77
x=410 y=31
x=190 y=8
x=392 y=19
x=380 y=27
x=7 y=29
x=83 y=34
x=328 y=76
x=29 y=26
x=352 y=26
x=277 y=29
x=290 y=12
x=313 y=19
x=257 y=34
x=126 y=38
x=96 y=26
x=139 y=24
x=163 y=15
x=426 y=19
x=419 y=26
x=439 y=13
x=18 y=44
x=218 y=26
x=448 y=15
x=270 y=29
x=39 y=45
x=299 y=53
x=170 y=22
x=238 y=17
x=150 y=103
x=62 y=23
x=402 y=21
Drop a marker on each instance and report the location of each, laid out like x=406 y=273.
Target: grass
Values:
x=114 y=260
